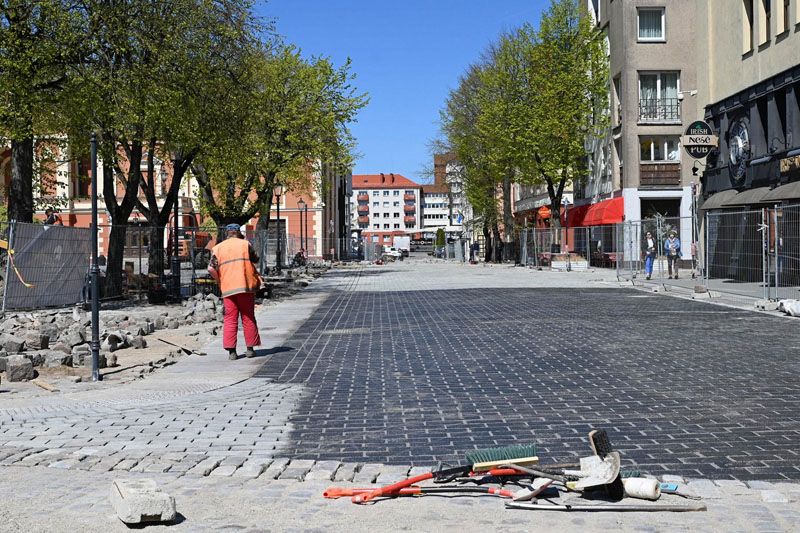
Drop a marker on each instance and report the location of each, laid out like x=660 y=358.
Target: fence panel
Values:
x=630 y=262
x=46 y=266
x=786 y=252
x=736 y=252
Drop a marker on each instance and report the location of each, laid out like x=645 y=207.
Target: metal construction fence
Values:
x=668 y=261
x=50 y=265
x=559 y=248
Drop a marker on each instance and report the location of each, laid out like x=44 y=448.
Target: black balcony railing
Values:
x=659 y=110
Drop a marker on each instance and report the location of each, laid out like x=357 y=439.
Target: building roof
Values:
x=382 y=181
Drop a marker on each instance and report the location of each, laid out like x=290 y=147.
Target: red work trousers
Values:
x=236 y=304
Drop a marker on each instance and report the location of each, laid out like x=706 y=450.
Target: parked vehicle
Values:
x=391 y=251
x=403 y=243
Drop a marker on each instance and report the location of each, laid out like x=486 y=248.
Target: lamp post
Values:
x=566 y=233
x=95 y=272
x=278 y=232
x=300 y=207
x=305 y=243
x=176 y=260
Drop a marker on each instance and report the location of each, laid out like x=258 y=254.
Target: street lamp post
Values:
x=305 y=242
x=300 y=206
x=95 y=272
x=566 y=233
x=176 y=260
x=278 y=253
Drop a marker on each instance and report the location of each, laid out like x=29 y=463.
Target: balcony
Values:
x=364 y=197
x=363 y=209
x=409 y=198
x=363 y=220
x=409 y=209
x=410 y=220
x=660 y=175
x=659 y=110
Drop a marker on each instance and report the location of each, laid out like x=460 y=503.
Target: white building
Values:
x=384 y=206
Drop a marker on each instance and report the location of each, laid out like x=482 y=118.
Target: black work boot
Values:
x=232 y=355
x=250 y=352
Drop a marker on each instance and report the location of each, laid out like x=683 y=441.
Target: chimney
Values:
x=392 y=175
x=383 y=178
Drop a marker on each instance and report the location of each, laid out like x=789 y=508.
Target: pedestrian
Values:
x=649 y=254
x=53 y=218
x=233 y=266
x=673 y=249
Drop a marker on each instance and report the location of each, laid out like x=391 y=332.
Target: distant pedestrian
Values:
x=233 y=266
x=649 y=246
x=673 y=249
x=52 y=218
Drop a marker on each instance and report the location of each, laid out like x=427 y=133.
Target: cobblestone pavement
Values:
x=413 y=377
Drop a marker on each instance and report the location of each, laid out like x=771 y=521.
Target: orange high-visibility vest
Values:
x=237 y=273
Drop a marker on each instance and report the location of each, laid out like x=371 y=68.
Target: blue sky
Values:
x=407 y=55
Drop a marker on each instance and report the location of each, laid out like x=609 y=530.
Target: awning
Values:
x=716 y=200
x=605 y=212
x=576 y=214
x=789 y=191
x=748 y=197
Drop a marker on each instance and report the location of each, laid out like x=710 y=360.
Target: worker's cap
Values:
x=232 y=227
x=672 y=232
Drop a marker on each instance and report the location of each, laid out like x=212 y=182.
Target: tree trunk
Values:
x=498 y=244
x=508 y=221
x=487 y=246
x=262 y=234
x=157 y=251
x=20 y=190
x=116 y=254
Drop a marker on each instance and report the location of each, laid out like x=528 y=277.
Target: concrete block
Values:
x=324 y=470
x=368 y=473
x=141 y=501
x=669 y=478
x=12 y=343
x=705 y=488
x=766 y=305
x=19 y=368
x=297 y=469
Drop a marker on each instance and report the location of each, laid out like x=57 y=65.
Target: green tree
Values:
x=39 y=40
x=440 y=239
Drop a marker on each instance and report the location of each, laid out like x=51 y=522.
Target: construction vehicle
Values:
x=193 y=242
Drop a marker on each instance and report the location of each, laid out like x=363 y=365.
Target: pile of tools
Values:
x=596 y=483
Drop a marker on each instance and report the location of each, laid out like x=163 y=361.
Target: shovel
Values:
x=594 y=472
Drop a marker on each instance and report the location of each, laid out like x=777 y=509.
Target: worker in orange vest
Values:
x=233 y=266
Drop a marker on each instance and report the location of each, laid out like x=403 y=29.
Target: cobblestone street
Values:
x=376 y=373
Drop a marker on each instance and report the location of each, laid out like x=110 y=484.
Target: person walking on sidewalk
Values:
x=649 y=253
x=673 y=249
x=233 y=266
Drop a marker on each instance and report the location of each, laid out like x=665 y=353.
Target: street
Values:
x=378 y=371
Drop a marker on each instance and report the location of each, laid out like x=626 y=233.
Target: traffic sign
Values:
x=544 y=212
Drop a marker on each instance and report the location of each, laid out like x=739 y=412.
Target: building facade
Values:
x=652 y=48
x=750 y=88
x=383 y=206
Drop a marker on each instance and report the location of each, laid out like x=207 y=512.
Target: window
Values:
x=386 y=215
x=376 y=204
x=374 y=238
x=386 y=226
x=410 y=192
x=385 y=204
x=376 y=193
x=747 y=26
x=395 y=193
x=660 y=149
x=409 y=226
x=651 y=24
x=765 y=21
x=397 y=226
x=658 y=97
x=397 y=215
x=376 y=226
x=386 y=193
x=783 y=17
x=387 y=238
x=396 y=204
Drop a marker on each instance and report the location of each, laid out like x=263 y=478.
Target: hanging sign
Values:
x=699 y=139
x=544 y=212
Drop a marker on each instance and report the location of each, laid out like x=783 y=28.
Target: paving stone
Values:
x=773 y=496
x=252 y=468
x=205 y=467
x=325 y=470
x=760 y=485
x=347 y=471
x=224 y=470
x=671 y=478
x=276 y=468
x=297 y=469
x=392 y=474
x=140 y=501
x=705 y=489
x=368 y=473
x=125 y=464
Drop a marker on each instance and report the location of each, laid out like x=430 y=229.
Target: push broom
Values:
x=488 y=460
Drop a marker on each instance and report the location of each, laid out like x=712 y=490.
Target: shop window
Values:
x=651 y=24
x=660 y=149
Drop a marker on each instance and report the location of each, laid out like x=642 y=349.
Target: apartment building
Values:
x=749 y=84
x=444 y=202
x=636 y=169
x=384 y=206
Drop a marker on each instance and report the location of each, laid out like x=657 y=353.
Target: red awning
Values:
x=605 y=212
x=576 y=215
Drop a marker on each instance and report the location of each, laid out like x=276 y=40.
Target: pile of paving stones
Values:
x=61 y=338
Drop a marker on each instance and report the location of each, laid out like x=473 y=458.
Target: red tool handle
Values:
x=390 y=489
